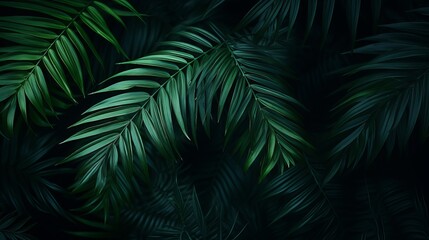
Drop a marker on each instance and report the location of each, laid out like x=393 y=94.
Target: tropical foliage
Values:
x=214 y=119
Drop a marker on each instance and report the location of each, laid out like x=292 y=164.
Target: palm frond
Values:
x=193 y=223
x=253 y=82
x=273 y=13
x=115 y=136
x=152 y=32
x=50 y=40
x=153 y=208
x=172 y=208
x=193 y=11
x=247 y=81
x=271 y=17
x=304 y=207
x=14 y=227
x=227 y=183
x=26 y=175
x=387 y=98
x=212 y=128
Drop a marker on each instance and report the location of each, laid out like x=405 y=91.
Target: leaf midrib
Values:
x=310 y=169
x=157 y=90
x=53 y=42
x=394 y=95
x=243 y=74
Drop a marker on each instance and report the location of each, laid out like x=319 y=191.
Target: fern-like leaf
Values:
x=304 y=199
x=118 y=124
x=26 y=172
x=50 y=40
x=269 y=18
x=253 y=80
x=387 y=99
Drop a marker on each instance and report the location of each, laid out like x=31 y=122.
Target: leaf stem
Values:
x=53 y=42
x=162 y=86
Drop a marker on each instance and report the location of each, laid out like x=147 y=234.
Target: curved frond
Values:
x=246 y=80
x=273 y=13
x=228 y=184
x=224 y=120
x=271 y=17
x=387 y=98
x=153 y=208
x=50 y=42
x=172 y=207
x=26 y=175
x=194 y=223
x=119 y=124
x=300 y=196
x=253 y=82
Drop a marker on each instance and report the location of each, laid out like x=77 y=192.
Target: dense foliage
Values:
x=214 y=119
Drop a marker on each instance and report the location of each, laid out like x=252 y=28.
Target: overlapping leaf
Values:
x=160 y=88
x=247 y=80
x=172 y=207
x=26 y=175
x=270 y=18
x=250 y=80
x=274 y=14
x=305 y=202
x=147 y=112
x=387 y=98
x=49 y=43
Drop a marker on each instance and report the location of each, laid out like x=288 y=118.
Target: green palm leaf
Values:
x=203 y=134
x=387 y=99
x=171 y=207
x=274 y=14
x=253 y=80
x=305 y=200
x=115 y=145
x=175 y=210
x=269 y=18
x=26 y=175
x=193 y=223
x=52 y=43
